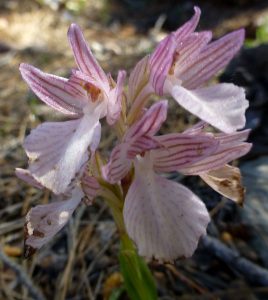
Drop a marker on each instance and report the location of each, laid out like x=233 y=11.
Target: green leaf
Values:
x=138 y=279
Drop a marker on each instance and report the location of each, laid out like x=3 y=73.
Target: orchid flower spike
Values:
x=183 y=62
x=57 y=150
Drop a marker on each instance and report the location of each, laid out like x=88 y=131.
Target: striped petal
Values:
x=137 y=139
x=223 y=155
x=161 y=61
x=118 y=165
x=180 y=150
x=115 y=99
x=212 y=59
x=164 y=218
x=197 y=128
x=150 y=122
x=188 y=27
x=222 y=105
x=57 y=150
x=227 y=182
x=90 y=187
x=189 y=49
x=138 y=78
x=44 y=221
x=54 y=91
x=235 y=137
x=84 y=57
x=140 y=145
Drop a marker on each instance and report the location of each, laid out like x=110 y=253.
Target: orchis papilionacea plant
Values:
x=163 y=218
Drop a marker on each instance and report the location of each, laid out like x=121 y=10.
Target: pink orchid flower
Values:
x=57 y=150
x=164 y=218
x=43 y=222
x=180 y=66
x=159 y=213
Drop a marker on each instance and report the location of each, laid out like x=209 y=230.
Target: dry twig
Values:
x=22 y=277
x=251 y=272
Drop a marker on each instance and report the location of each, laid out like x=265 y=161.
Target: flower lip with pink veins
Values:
x=164 y=218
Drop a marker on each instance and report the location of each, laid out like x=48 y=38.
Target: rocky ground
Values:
x=81 y=261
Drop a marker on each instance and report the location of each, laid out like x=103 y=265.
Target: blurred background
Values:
x=81 y=261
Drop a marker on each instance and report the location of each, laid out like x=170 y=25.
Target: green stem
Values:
x=138 y=279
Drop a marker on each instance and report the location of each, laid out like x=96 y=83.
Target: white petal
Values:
x=44 y=221
x=222 y=105
x=27 y=177
x=164 y=218
x=57 y=150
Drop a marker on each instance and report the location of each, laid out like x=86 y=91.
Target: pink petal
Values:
x=82 y=78
x=164 y=218
x=115 y=99
x=223 y=155
x=90 y=187
x=226 y=181
x=212 y=59
x=119 y=164
x=27 y=177
x=197 y=128
x=222 y=105
x=150 y=122
x=189 y=49
x=181 y=150
x=137 y=78
x=161 y=61
x=52 y=90
x=57 y=150
x=75 y=85
x=137 y=139
x=44 y=221
x=238 y=136
x=189 y=26
x=83 y=56
x=141 y=145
